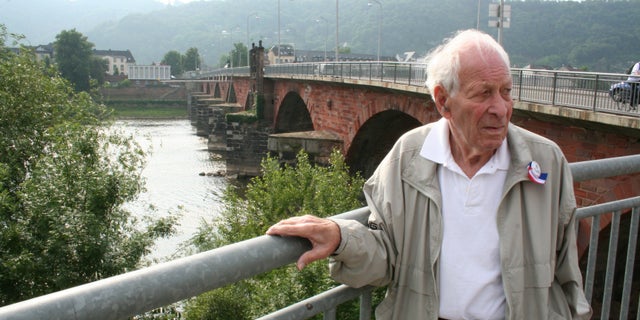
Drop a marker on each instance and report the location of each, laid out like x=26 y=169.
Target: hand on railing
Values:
x=323 y=234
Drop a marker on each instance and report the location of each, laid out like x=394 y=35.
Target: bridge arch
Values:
x=293 y=115
x=216 y=91
x=248 y=101
x=375 y=138
x=231 y=94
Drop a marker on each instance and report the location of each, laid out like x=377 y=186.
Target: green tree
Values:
x=239 y=55
x=73 y=53
x=64 y=177
x=191 y=60
x=98 y=69
x=279 y=193
x=174 y=59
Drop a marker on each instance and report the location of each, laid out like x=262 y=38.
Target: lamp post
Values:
x=379 y=23
x=248 y=17
x=337 y=28
x=326 y=35
x=279 y=43
x=500 y=21
x=230 y=34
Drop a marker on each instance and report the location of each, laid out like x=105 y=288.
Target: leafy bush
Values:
x=281 y=192
x=126 y=83
x=63 y=180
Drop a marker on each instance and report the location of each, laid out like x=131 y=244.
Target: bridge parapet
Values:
x=342 y=97
x=581 y=90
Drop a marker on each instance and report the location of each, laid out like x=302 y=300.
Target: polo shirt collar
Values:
x=436 y=148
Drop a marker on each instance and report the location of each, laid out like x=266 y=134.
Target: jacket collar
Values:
x=421 y=172
x=521 y=156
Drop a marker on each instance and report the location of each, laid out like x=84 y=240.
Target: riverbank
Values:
x=146 y=102
x=142 y=110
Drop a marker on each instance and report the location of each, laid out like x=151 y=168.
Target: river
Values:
x=174 y=179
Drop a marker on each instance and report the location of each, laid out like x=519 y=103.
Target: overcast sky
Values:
x=41 y=20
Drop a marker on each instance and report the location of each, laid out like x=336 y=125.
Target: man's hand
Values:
x=323 y=234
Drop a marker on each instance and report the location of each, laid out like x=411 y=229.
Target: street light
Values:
x=326 y=35
x=230 y=34
x=337 y=28
x=279 y=44
x=253 y=14
x=279 y=40
x=379 y=23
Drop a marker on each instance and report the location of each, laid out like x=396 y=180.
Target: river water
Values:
x=178 y=178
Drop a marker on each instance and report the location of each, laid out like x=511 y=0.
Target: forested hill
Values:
x=593 y=35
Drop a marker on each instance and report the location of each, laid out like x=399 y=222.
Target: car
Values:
x=622 y=92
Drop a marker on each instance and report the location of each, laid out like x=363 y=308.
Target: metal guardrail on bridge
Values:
x=139 y=291
x=582 y=90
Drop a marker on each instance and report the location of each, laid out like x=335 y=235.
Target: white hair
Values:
x=443 y=63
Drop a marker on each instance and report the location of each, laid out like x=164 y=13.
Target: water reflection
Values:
x=174 y=180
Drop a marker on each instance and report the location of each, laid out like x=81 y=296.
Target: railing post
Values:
x=595 y=92
x=611 y=265
x=628 y=273
x=589 y=281
x=365 y=306
x=554 y=88
x=521 y=75
x=395 y=73
x=329 y=314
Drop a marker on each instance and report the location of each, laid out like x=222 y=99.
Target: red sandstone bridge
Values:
x=361 y=109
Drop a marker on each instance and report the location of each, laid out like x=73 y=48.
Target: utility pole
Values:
x=337 y=28
x=503 y=13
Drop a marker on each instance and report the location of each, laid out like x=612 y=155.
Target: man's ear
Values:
x=440 y=97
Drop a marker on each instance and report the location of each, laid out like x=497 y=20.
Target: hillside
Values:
x=41 y=20
x=594 y=35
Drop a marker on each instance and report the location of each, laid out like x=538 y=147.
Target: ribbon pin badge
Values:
x=535 y=174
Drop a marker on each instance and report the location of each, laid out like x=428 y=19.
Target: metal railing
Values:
x=146 y=289
x=582 y=90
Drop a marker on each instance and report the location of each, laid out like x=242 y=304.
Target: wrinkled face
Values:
x=480 y=110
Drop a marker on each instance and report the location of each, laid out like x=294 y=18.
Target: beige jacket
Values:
x=401 y=245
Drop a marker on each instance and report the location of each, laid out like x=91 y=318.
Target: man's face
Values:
x=480 y=111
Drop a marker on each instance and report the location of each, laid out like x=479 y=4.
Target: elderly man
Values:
x=471 y=216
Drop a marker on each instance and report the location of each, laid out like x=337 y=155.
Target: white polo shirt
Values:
x=469 y=277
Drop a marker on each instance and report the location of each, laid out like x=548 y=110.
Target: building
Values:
x=290 y=55
x=284 y=53
x=119 y=60
x=44 y=52
x=149 y=72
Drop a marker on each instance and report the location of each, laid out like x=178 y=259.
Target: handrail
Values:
x=142 y=290
x=136 y=292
